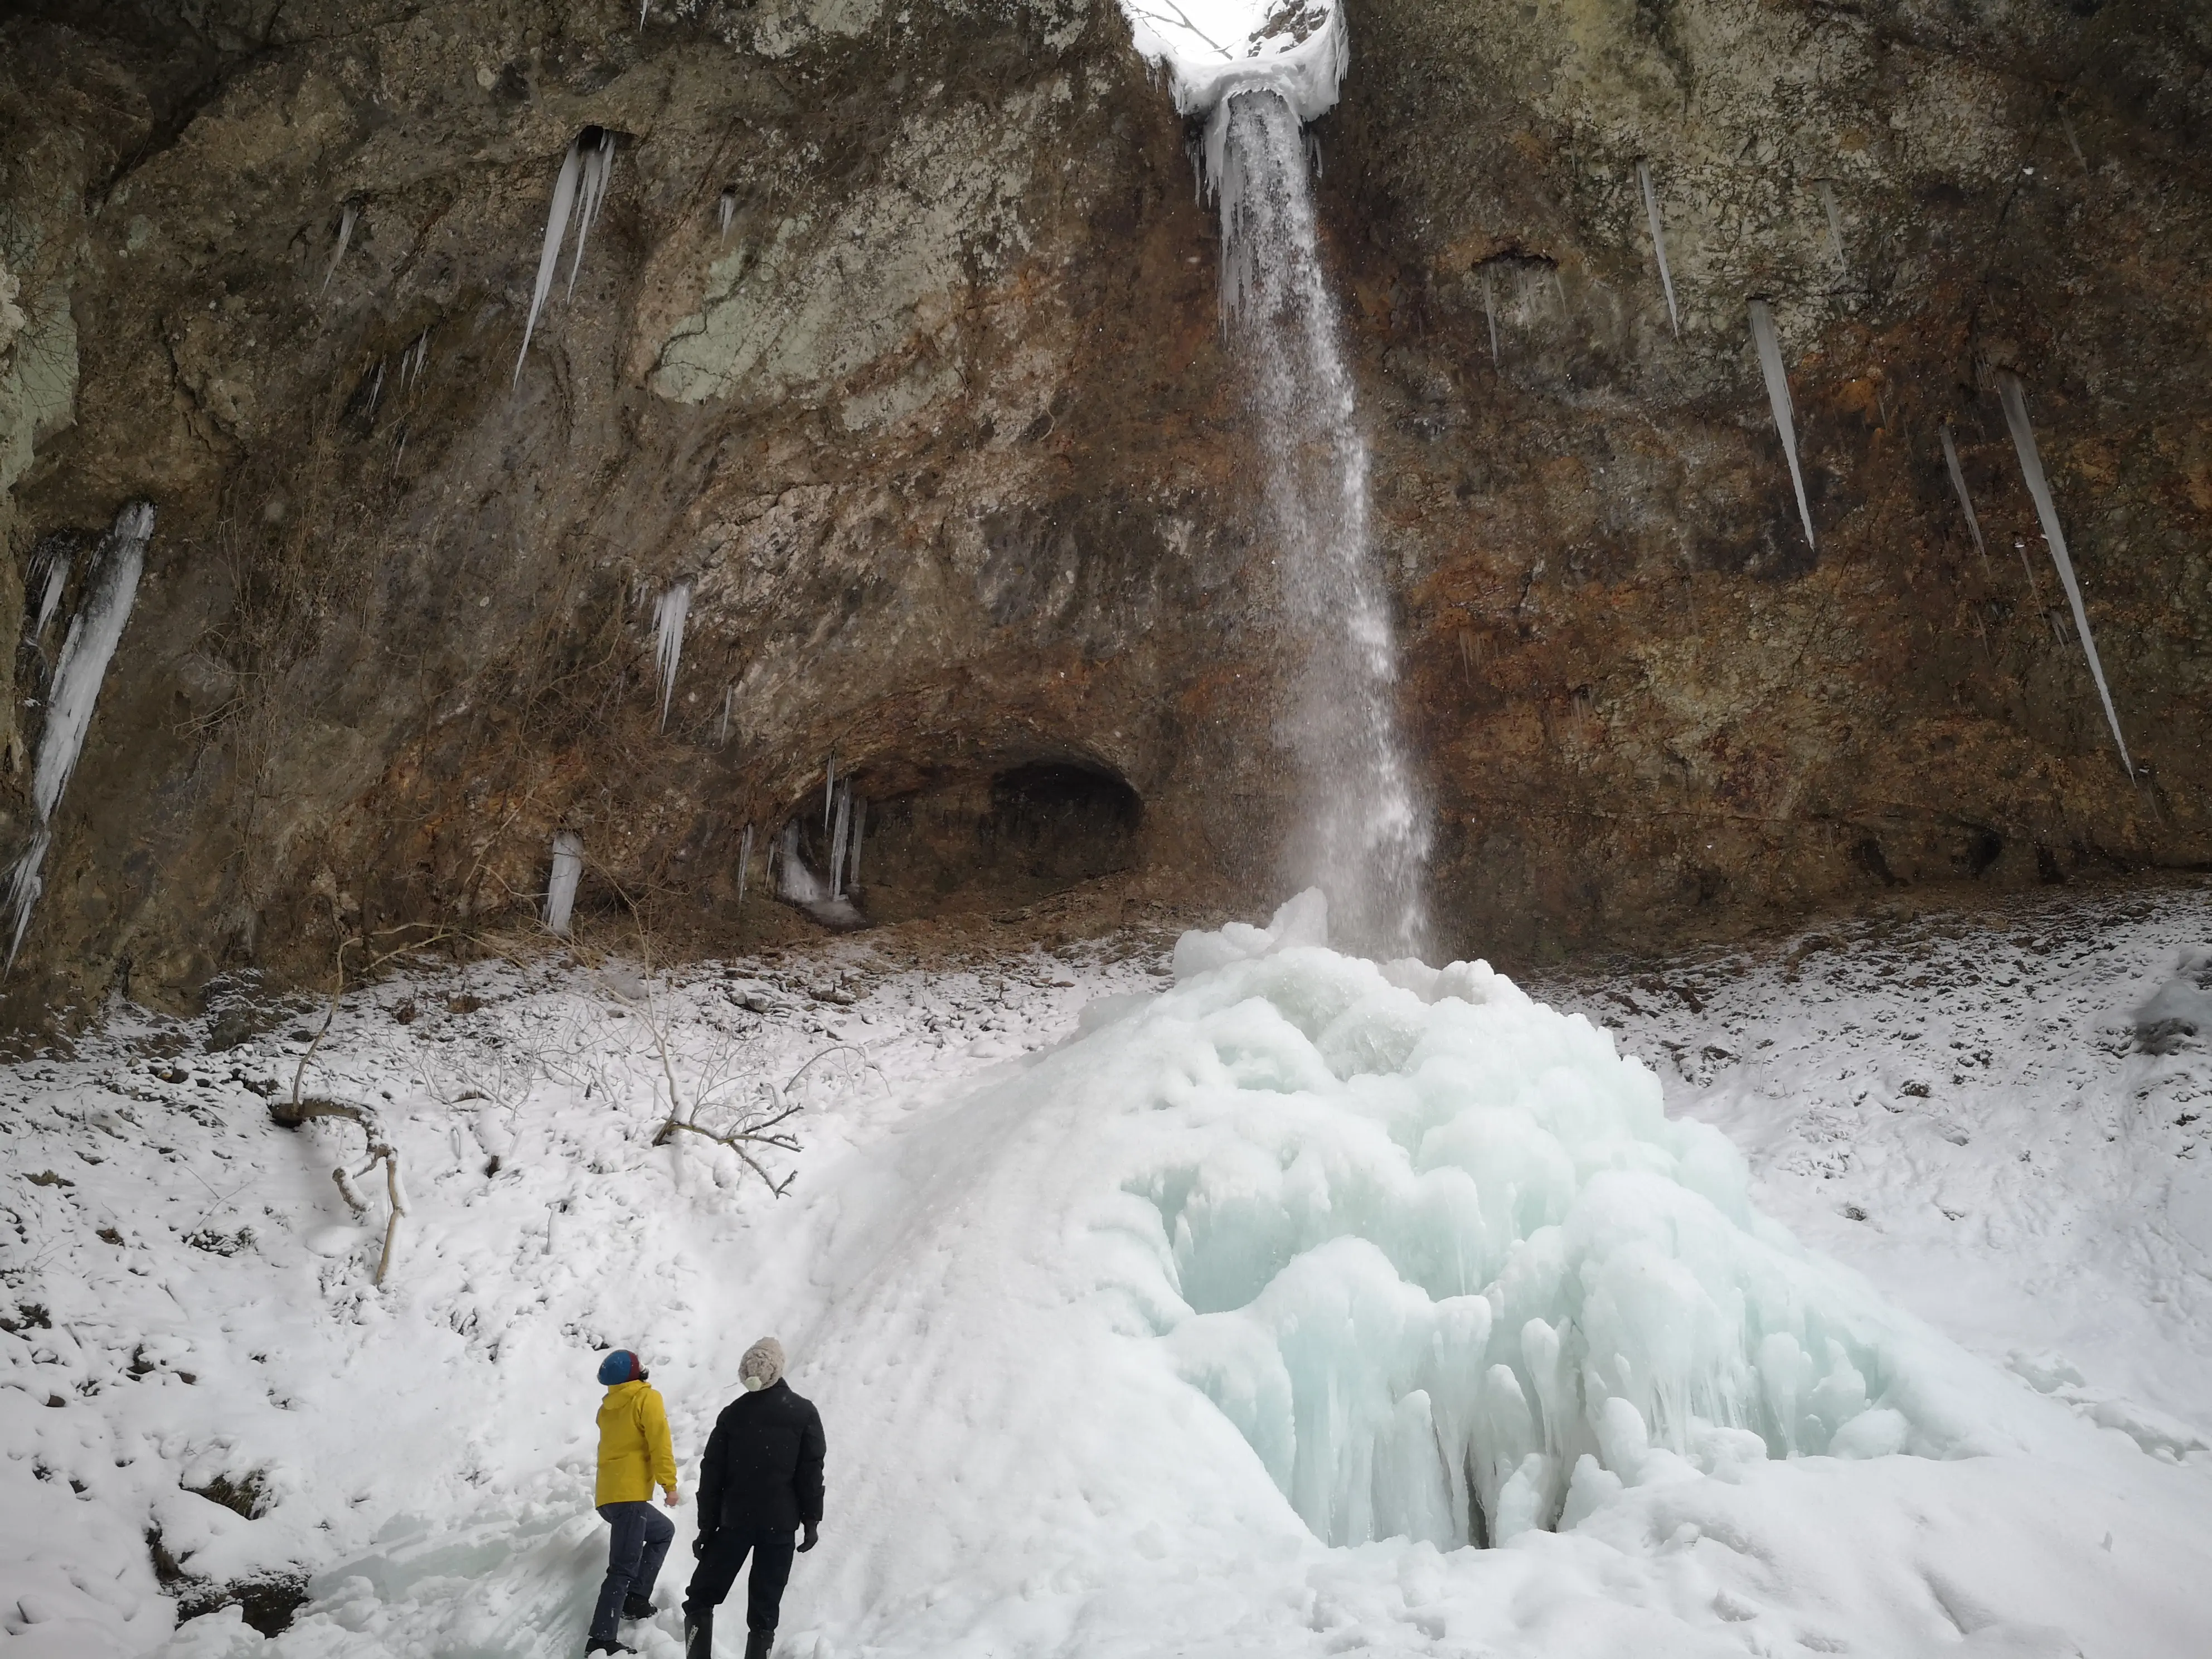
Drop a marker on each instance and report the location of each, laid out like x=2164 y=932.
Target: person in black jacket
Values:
x=760 y=1482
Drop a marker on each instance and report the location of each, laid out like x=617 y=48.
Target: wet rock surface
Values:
x=897 y=338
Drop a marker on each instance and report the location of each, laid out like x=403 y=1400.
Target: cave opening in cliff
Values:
x=986 y=840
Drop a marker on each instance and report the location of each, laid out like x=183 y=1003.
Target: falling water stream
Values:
x=1362 y=837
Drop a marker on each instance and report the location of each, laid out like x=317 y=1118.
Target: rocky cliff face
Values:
x=895 y=340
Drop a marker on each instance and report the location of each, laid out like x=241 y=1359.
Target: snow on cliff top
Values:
x=1219 y=1311
x=1211 y=48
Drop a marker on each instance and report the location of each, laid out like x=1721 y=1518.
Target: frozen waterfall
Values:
x=1363 y=837
x=94 y=634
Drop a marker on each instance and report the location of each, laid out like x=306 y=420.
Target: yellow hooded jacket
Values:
x=635 y=1455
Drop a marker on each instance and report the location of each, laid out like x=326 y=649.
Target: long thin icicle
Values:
x=94 y=634
x=1835 y=222
x=347 y=216
x=1490 y=310
x=829 y=791
x=668 y=617
x=561 y=889
x=598 y=165
x=549 y=259
x=744 y=862
x=1959 y=484
x=2031 y=465
x=843 y=828
x=1659 y=244
x=860 y=828
x=728 y=208
x=1778 y=393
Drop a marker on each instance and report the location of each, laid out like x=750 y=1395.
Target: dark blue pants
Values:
x=771 y=1548
x=635 y=1553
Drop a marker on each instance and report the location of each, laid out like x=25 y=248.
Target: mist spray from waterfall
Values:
x=1362 y=837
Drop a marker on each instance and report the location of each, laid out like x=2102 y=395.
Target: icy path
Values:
x=1013 y=1473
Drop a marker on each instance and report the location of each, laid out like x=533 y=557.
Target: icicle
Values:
x=56 y=566
x=598 y=166
x=641 y=5
x=728 y=207
x=412 y=360
x=668 y=616
x=744 y=861
x=2066 y=122
x=549 y=259
x=837 y=841
x=376 y=389
x=1490 y=310
x=1835 y=222
x=1659 y=244
x=2031 y=465
x=347 y=216
x=795 y=880
x=92 y=636
x=1777 y=394
x=560 y=890
x=722 y=726
x=829 y=791
x=859 y=825
x=1965 y=502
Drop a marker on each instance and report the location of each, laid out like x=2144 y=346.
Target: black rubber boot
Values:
x=758 y=1643
x=638 y=1607
x=606 y=1647
x=699 y=1636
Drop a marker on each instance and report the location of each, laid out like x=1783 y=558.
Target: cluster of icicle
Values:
x=844 y=821
x=94 y=632
x=668 y=618
x=1766 y=343
x=2013 y=398
x=579 y=191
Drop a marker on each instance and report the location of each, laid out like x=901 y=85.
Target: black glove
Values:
x=810 y=1540
x=701 y=1544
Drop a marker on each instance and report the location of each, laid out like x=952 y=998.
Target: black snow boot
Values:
x=638 y=1607
x=758 y=1643
x=606 y=1647
x=699 y=1636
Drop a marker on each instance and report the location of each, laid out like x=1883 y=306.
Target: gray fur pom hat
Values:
x=761 y=1365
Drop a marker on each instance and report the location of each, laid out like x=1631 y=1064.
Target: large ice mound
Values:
x=1439 y=1255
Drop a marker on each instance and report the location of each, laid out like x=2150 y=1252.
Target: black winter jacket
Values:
x=763 y=1465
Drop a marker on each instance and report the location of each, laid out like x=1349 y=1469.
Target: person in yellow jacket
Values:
x=634 y=1457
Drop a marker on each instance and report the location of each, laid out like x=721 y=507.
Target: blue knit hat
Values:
x=620 y=1366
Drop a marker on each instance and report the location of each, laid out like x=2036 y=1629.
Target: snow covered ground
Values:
x=1115 y=1291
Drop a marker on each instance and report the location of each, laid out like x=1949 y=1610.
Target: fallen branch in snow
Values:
x=292 y=1114
x=298 y=1111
